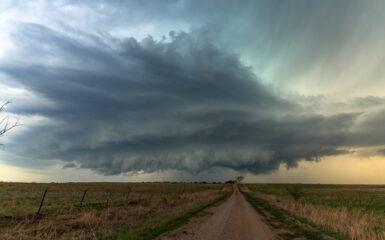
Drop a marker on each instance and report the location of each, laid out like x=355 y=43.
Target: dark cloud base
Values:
x=182 y=103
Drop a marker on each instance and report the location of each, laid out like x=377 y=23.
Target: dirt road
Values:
x=234 y=219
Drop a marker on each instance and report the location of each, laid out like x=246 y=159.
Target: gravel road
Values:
x=233 y=220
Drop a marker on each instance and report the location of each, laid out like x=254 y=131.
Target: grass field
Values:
x=109 y=210
x=145 y=210
x=352 y=211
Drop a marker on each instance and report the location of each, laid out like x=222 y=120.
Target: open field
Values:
x=147 y=210
x=109 y=210
x=351 y=211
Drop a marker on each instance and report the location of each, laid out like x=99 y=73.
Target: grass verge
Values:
x=281 y=219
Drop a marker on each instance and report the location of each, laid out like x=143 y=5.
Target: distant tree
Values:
x=295 y=192
x=230 y=182
x=5 y=123
x=239 y=179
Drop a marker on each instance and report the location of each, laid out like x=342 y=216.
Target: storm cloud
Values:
x=183 y=101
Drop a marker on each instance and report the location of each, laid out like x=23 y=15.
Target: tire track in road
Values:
x=234 y=219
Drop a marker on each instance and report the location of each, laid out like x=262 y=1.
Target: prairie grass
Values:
x=354 y=211
x=132 y=208
x=19 y=199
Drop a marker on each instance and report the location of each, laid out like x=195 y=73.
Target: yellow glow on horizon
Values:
x=346 y=169
x=19 y=174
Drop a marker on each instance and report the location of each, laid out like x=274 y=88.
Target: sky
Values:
x=277 y=91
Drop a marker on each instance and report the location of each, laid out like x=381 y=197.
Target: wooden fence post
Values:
x=128 y=193
x=84 y=195
x=108 y=198
x=42 y=201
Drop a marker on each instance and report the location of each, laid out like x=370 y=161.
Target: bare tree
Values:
x=5 y=123
x=239 y=179
x=295 y=191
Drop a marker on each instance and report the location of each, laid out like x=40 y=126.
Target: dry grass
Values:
x=20 y=199
x=355 y=223
x=144 y=209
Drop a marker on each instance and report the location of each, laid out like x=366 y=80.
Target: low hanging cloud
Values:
x=181 y=103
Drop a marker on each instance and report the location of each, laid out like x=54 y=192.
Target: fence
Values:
x=48 y=198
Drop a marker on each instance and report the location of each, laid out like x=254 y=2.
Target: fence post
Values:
x=128 y=193
x=84 y=195
x=108 y=198
x=42 y=201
